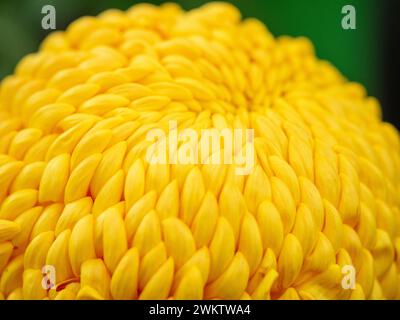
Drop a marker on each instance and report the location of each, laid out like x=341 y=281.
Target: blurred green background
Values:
x=357 y=53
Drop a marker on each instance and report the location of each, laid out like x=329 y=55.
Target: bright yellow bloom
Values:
x=316 y=217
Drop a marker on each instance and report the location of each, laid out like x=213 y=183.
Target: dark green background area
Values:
x=357 y=53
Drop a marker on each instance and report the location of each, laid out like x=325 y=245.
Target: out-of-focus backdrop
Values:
x=368 y=55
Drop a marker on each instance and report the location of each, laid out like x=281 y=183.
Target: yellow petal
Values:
x=81 y=243
x=11 y=277
x=326 y=175
x=110 y=163
x=304 y=229
x=263 y=290
x=136 y=213
x=66 y=142
x=102 y=103
x=72 y=213
x=148 y=234
x=365 y=274
x=268 y=262
x=159 y=285
x=322 y=256
x=286 y=173
x=66 y=294
x=178 y=240
x=232 y=206
x=79 y=180
x=271 y=226
x=284 y=202
x=390 y=283
x=222 y=248
x=91 y=143
x=357 y=293
x=325 y=285
x=232 y=283
x=6 y=249
x=94 y=274
x=168 y=202
x=26 y=222
x=36 y=251
x=257 y=189
x=333 y=228
x=377 y=293
x=32 y=285
x=205 y=221
x=48 y=116
x=250 y=243
x=29 y=177
x=383 y=252
x=47 y=220
x=79 y=93
x=150 y=263
x=349 y=200
x=110 y=194
x=115 y=243
x=16 y=295
x=8 y=172
x=8 y=230
x=191 y=286
x=157 y=177
x=38 y=151
x=53 y=189
x=134 y=183
x=300 y=157
x=124 y=282
x=18 y=202
x=171 y=90
x=88 y=293
x=214 y=176
x=290 y=294
x=200 y=260
x=385 y=218
x=312 y=198
x=58 y=257
x=191 y=198
x=290 y=261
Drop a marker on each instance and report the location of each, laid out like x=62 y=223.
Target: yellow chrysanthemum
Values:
x=79 y=198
